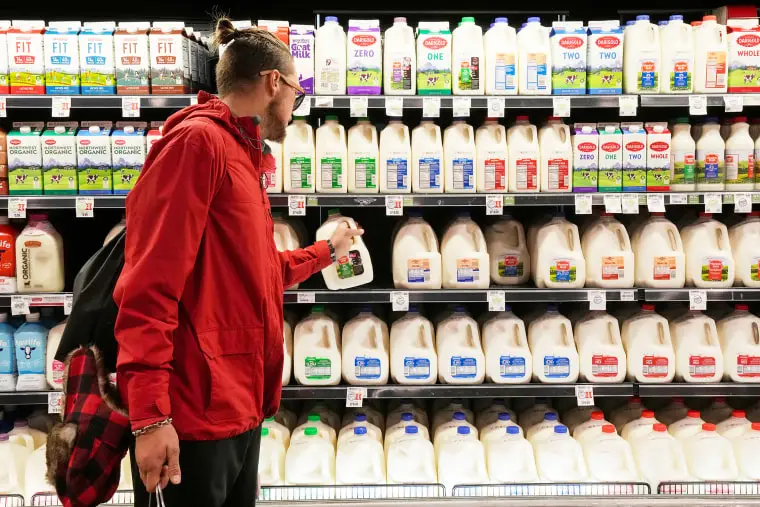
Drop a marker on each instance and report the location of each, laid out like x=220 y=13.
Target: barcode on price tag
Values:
x=17 y=207
x=697 y=300
x=359 y=107
x=656 y=203
x=431 y=107
x=3 y=107
x=628 y=105
x=355 y=396
x=497 y=301
x=743 y=203
x=494 y=204
x=597 y=300
x=461 y=106
x=627 y=295
x=679 y=199
x=20 y=305
x=68 y=303
x=734 y=103
x=61 y=107
x=306 y=298
x=713 y=203
x=297 y=205
x=130 y=107
x=585 y=395
x=561 y=106
x=55 y=403
x=394 y=205
x=400 y=299
x=85 y=207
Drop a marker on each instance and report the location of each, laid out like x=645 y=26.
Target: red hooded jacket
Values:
x=200 y=296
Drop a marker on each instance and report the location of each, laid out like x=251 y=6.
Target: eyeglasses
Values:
x=300 y=92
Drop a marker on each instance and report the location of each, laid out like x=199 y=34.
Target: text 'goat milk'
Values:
x=302 y=51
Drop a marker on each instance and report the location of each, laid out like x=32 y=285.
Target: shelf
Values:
x=732 y=294
x=699 y=390
x=98 y=102
x=48 y=202
x=476 y=102
x=295 y=392
x=25 y=398
x=37 y=300
x=713 y=100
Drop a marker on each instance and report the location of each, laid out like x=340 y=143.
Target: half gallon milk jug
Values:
x=672 y=412
x=459 y=157
x=363 y=157
x=709 y=456
x=600 y=348
x=298 y=157
x=711 y=57
x=491 y=147
x=360 y=460
x=534 y=57
x=559 y=257
x=687 y=426
x=414 y=360
x=510 y=260
x=501 y=74
x=524 y=156
x=310 y=461
x=330 y=58
x=39 y=254
x=460 y=355
x=609 y=257
x=411 y=459
x=711 y=162
x=30 y=342
x=509 y=458
x=14 y=458
x=659 y=254
x=351 y=270
x=677 y=42
x=468 y=58
x=271 y=460
x=427 y=158
x=366 y=346
x=648 y=347
x=560 y=458
x=682 y=157
x=735 y=426
x=639 y=427
x=555 y=359
x=698 y=354
x=53 y=367
x=744 y=238
x=395 y=158
x=556 y=157
x=609 y=457
x=739 y=335
x=740 y=157
x=641 y=57
x=746 y=449
x=316 y=350
x=709 y=261
x=399 y=59
x=461 y=460
x=659 y=457
x=332 y=157
x=508 y=359
x=416 y=259
x=285 y=237
x=464 y=257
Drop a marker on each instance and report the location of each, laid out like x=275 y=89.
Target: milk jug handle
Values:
x=430 y=240
x=709 y=335
x=611 y=333
x=476 y=237
x=621 y=237
x=565 y=335
x=570 y=238
x=755 y=333
x=719 y=237
x=470 y=336
x=672 y=237
x=661 y=333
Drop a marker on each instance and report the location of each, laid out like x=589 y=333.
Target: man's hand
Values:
x=342 y=239
x=157 y=455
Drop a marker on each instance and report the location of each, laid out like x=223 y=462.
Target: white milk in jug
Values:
x=682 y=157
x=600 y=348
x=709 y=262
x=298 y=157
x=500 y=43
x=687 y=426
x=332 y=157
x=627 y=412
x=395 y=158
x=310 y=461
x=535 y=59
x=35 y=476
x=659 y=254
x=709 y=456
x=285 y=237
x=509 y=458
x=496 y=429
x=398 y=430
x=39 y=257
x=399 y=59
x=416 y=259
x=744 y=238
x=648 y=347
x=677 y=40
x=698 y=354
x=460 y=355
x=591 y=428
x=609 y=457
x=585 y=165
x=360 y=460
x=407 y=406
x=535 y=413
x=491 y=146
x=271 y=460
x=330 y=58
x=740 y=157
x=746 y=448
x=464 y=256
x=366 y=346
x=450 y=429
x=370 y=415
x=739 y=335
x=555 y=358
x=609 y=257
x=659 y=457
x=505 y=344
x=12 y=474
x=524 y=156
x=362 y=158
x=459 y=158
x=672 y=412
x=461 y=460
x=468 y=58
x=639 y=427
x=427 y=158
x=568 y=43
x=575 y=416
x=413 y=356
x=277 y=431
x=735 y=426
x=510 y=260
x=542 y=430
x=316 y=350
x=434 y=58
x=560 y=458
x=351 y=270
x=711 y=163
x=604 y=66
x=318 y=420
x=710 y=57
x=493 y=413
x=411 y=459
x=642 y=65
x=559 y=257
x=556 y=157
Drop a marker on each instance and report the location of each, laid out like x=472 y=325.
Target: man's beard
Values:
x=272 y=128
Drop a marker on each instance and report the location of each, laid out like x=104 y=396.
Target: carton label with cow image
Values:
x=4 y=77
x=94 y=158
x=658 y=157
x=96 y=55
x=585 y=157
x=62 y=58
x=169 y=68
x=128 y=151
x=744 y=60
x=604 y=64
x=568 y=42
x=26 y=64
x=59 y=158
x=634 y=157
x=434 y=58
x=132 y=58
x=365 y=59
x=25 y=159
x=610 y=157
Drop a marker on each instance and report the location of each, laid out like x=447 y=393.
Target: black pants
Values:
x=215 y=473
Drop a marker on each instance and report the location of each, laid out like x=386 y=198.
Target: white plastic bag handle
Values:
x=159 y=497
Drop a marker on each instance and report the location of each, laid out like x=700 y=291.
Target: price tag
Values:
x=494 y=204
x=713 y=203
x=306 y=298
x=561 y=106
x=585 y=395
x=85 y=207
x=431 y=107
x=61 y=107
x=697 y=105
x=304 y=109
x=20 y=305
x=355 y=396
x=400 y=301
x=627 y=295
x=55 y=402
x=3 y=107
x=297 y=205
x=697 y=299
x=495 y=107
x=394 y=106
x=628 y=105
x=656 y=203
x=323 y=101
x=497 y=301
x=359 y=107
x=743 y=203
x=394 y=205
x=17 y=207
x=613 y=203
x=462 y=107
x=734 y=103
x=679 y=199
x=597 y=300
x=130 y=107
x=755 y=197
x=193 y=100
x=582 y=204
x=509 y=200
x=68 y=303
x=630 y=204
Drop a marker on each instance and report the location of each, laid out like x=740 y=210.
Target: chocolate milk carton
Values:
x=62 y=58
x=658 y=157
x=94 y=158
x=364 y=58
x=25 y=159
x=610 y=157
x=585 y=157
x=5 y=87
x=302 y=51
x=96 y=54
x=26 y=62
x=169 y=69
x=59 y=158
x=128 y=151
x=634 y=157
x=132 y=58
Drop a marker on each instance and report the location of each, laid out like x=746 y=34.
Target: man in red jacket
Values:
x=200 y=296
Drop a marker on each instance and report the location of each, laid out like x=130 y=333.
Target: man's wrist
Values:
x=152 y=427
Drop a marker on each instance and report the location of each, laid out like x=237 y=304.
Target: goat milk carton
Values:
x=434 y=58
x=26 y=64
x=744 y=59
x=96 y=54
x=62 y=58
x=658 y=157
x=634 y=157
x=610 y=157
x=604 y=61
x=365 y=57
x=59 y=158
x=128 y=151
x=94 y=158
x=25 y=159
x=132 y=58
x=585 y=157
x=302 y=51
x=568 y=42
x=4 y=78
x=168 y=63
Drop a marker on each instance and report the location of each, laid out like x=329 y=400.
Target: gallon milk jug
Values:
x=39 y=254
x=363 y=155
x=464 y=256
x=314 y=421
x=271 y=460
x=735 y=426
x=491 y=147
x=627 y=413
x=366 y=348
x=556 y=157
x=698 y=354
x=461 y=460
x=648 y=347
x=609 y=257
x=555 y=359
x=508 y=250
x=399 y=59
x=427 y=158
x=285 y=237
x=600 y=348
x=505 y=344
x=639 y=427
x=509 y=458
x=414 y=360
x=316 y=350
x=21 y=435
x=450 y=429
x=371 y=415
x=459 y=157
x=277 y=431
x=416 y=259
x=14 y=458
x=711 y=162
x=492 y=413
x=8 y=366
x=411 y=459
x=609 y=457
x=30 y=342
x=677 y=40
x=35 y=476
x=332 y=157
x=710 y=57
x=330 y=58
x=287 y=346
x=559 y=257
x=524 y=156
x=744 y=238
x=298 y=157
x=500 y=43
x=739 y=335
x=360 y=459
x=53 y=367
x=709 y=456
x=688 y=426
x=672 y=412
x=659 y=254
x=542 y=430
x=468 y=57
x=408 y=407
x=683 y=151
x=591 y=428
x=709 y=261
x=740 y=157
x=535 y=414
x=659 y=457
x=310 y=461
x=746 y=449
x=398 y=430
x=496 y=429
x=534 y=57
x=560 y=458
x=460 y=355
x=395 y=158
x=350 y=270
x=641 y=57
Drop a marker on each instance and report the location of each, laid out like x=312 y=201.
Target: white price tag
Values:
x=355 y=396
x=3 y=107
x=679 y=199
x=193 y=100
x=17 y=207
x=583 y=204
x=462 y=107
x=713 y=203
x=85 y=207
x=613 y=203
x=697 y=105
x=743 y=203
x=297 y=205
x=394 y=106
x=304 y=109
x=630 y=204
x=734 y=103
x=359 y=107
x=431 y=107
x=494 y=204
x=130 y=107
x=400 y=301
x=627 y=295
x=697 y=299
x=68 y=303
x=597 y=300
x=561 y=106
x=628 y=105
x=394 y=205
x=306 y=298
x=20 y=305
x=61 y=107
x=585 y=395
x=320 y=101
x=495 y=107
x=55 y=402
x=656 y=203
x=497 y=301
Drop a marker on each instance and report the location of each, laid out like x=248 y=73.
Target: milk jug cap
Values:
x=708 y=427
x=709 y=18
x=399 y=20
x=550 y=416
x=501 y=20
x=513 y=430
x=264 y=432
x=25 y=129
x=659 y=428
x=360 y=417
x=704 y=214
x=534 y=20
x=642 y=17
x=21 y=423
x=586 y=129
x=298 y=118
x=360 y=430
x=4 y=437
x=4 y=317
x=331 y=117
x=658 y=129
x=331 y=19
x=551 y=307
x=542 y=401
x=463 y=430
x=459 y=416
x=33 y=317
x=739 y=414
x=313 y=418
x=129 y=129
x=406 y=416
x=333 y=211
x=696 y=23
x=610 y=129
x=755 y=426
x=647 y=307
x=507 y=308
x=677 y=400
x=608 y=428
x=682 y=120
x=94 y=129
x=310 y=432
x=59 y=129
x=522 y=118
x=459 y=309
x=411 y=430
x=742 y=308
x=629 y=22
x=414 y=309
x=597 y=415
x=647 y=414
x=468 y=19
x=504 y=416
x=4 y=220
x=269 y=419
x=317 y=309
x=676 y=17
x=662 y=23
x=560 y=428
x=740 y=119
x=694 y=414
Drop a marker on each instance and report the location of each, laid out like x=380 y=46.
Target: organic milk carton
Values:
x=62 y=58
x=280 y=28
x=132 y=58
x=128 y=151
x=4 y=81
x=604 y=61
x=302 y=51
x=634 y=157
x=364 y=57
x=96 y=56
x=568 y=41
x=744 y=59
x=585 y=157
x=26 y=64
x=434 y=58
x=168 y=58
x=610 y=157
x=658 y=157
x=59 y=158
x=25 y=159
x=94 y=158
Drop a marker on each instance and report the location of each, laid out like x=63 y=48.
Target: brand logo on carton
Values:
x=15 y=142
x=634 y=146
x=611 y=146
x=563 y=265
x=711 y=158
x=32 y=244
x=749 y=40
x=435 y=43
x=120 y=142
x=648 y=66
x=659 y=146
x=84 y=142
x=364 y=40
x=50 y=142
x=608 y=42
x=681 y=66
x=571 y=42
x=587 y=147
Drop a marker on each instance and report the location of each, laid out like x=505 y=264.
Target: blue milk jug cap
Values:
x=642 y=17
x=507 y=308
x=501 y=20
x=463 y=430
x=513 y=430
x=629 y=22
x=560 y=428
x=662 y=23
x=504 y=416
x=360 y=417
x=331 y=18
x=414 y=309
x=552 y=307
x=406 y=416
x=459 y=416
x=534 y=20
x=550 y=416
x=360 y=430
x=676 y=17
x=411 y=430
x=459 y=309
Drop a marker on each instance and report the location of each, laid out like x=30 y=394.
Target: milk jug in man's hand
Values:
x=350 y=270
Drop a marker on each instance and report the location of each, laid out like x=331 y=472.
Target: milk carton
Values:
x=634 y=157
x=168 y=62
x=4 y=78
x=280 y=28
x=364 y=57
x=604 y=60
x=610 y=157
x=96 y=57
x=25 y=159
x=568 y=41
x=132 y=58
x=434 y=58
x=658 y=157
x=154 y=134
x=302 y=51
x=26 y=64
x=585 y=157
x=62 y=58
x=59 y=158
x=128 y=151
x=94 y=158
x=744 y=59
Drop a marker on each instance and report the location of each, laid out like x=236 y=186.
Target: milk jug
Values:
x=688 y=426
x=53 y=367
x=360 y=459
x=285 y=237
x=524 y=156
x=641 y=57
x=427 y=158
x=277 y=431
x=464 y=257
x=735 y=426
x=416 y=259
x=672 y=412
x=460 y=355
x=491 y=147
x=492 y=414
x=639 y=427
x=399 y=60
x=710 y=57
x=414 y=360
x=627 y=413
x=351 y=270
x=30 y=341
x=444 y=411
x=591 y=428
x=739 y=335
x=535 y=414
x=271 y=460
x=746 y=448
x=709 y=456
x=609 y=457
x=510 y=260
x=14 y=459
x=659 y=254
x=509 y=458
x=740 y=157
x=501 y=73
x=450 y=429
x=508 y=359
x=332 y=157
x=698 y=354
x=677 y=42
x=576 y=416
x=459 y=158
x=659 y=457
x=467 y=57
x=496 y=429
x=314 y=421
x=366 y=345
x=648 y=347
x=298 y=157
x=609 y=257
x=461 y=460
x=534 y=57
x=370 y=414
x=407 y=407
x=395 y=158
x=35 y=477
x=363 y=157
x=39 y=254
x=310 y=461
x=560 y=458
x=711 y=164
x=682 y=157
x=600 y=348
x=30 y=438
x=543 y=429
x=559 y=257
x=555 y=359
x=411 y=459
x=556 y=157
x=316 y=350
x=757 y=163
x=330 y=60
x=398 y=430
x=8 y=367
x=709 y=261
x=744 y=237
